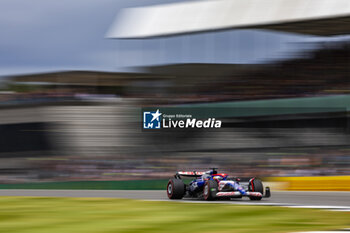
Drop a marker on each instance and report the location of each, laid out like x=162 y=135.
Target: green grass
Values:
x=103 y=215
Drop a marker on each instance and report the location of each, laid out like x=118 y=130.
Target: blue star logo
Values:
x=151 y=120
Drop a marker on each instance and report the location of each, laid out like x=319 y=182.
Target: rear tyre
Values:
x=210 y=189
x=175 y=189
x=256 y=186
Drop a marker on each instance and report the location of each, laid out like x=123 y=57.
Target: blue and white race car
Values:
x=211 y=185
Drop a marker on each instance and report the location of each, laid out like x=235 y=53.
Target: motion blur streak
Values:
x=323 y=200
x=284 y=119
x=94 y=146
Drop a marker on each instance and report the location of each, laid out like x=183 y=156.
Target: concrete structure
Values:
x=317 y=17
x=111 y=129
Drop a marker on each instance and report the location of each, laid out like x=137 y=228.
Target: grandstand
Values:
x=321 y=72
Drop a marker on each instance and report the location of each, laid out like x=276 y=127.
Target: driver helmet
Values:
x=218 y=178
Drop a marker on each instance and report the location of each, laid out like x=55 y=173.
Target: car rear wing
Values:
x=188 y=174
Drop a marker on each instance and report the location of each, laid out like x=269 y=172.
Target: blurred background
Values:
x=71 y=99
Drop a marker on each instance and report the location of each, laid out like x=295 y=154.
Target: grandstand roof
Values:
x=317 y=17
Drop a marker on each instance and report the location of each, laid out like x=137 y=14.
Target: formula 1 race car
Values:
x=211 y=185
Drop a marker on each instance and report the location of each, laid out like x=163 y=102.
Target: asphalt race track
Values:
x=327 y=200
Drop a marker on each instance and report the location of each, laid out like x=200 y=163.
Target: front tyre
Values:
x=175 y=189
x=210 y=190
x=255 y=185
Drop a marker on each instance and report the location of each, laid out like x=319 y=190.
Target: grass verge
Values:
x=97 y=215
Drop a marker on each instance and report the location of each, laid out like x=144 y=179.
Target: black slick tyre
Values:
x=255 y=185
x=210 y=190
x=175 y=189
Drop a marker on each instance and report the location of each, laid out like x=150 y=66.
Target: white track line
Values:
x=331 y=208
x=337 y=231
x=320 y=231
